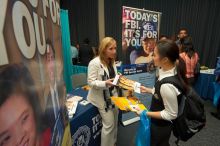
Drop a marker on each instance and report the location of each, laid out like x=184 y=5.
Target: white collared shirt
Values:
x=169 y=95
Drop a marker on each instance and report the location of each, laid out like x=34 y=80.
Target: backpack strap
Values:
x=174 y=80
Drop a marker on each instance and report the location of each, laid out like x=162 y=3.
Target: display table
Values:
x=85 y=126
x=204 y=84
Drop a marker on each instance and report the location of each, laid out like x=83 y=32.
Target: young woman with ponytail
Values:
x=164 y=108
x=191 y=58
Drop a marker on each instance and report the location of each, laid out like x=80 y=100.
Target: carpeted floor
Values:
x=208 y=136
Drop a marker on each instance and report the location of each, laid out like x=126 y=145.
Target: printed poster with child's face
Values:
x=140 y=31
x=32 y=90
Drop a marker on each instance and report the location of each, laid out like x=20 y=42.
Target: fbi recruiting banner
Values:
x=32 y=91
x=140 y=30
x=137 y=24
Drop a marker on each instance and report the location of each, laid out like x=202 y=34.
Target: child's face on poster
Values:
x=18 y=126
x=148 y=46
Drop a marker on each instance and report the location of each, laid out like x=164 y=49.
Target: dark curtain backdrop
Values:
x=200 y=17
x=83 y=19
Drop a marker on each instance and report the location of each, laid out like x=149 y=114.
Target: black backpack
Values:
x=191 y=114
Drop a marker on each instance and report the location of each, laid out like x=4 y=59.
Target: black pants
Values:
x=160 y=135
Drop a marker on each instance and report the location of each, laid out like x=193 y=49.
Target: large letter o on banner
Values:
x=20 y=12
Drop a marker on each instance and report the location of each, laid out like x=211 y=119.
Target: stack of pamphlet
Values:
x=127 y=84
x=128 y=103
x=71 y=104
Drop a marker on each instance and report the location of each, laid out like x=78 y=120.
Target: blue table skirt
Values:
x=86 y=124
x=204 y=86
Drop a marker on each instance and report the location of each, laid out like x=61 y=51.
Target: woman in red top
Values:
x=190 y=58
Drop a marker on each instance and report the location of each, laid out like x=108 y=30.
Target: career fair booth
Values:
x=85 y=124
x=85 y=121
x=42 y=90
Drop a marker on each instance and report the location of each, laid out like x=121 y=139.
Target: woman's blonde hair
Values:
x=104 y=44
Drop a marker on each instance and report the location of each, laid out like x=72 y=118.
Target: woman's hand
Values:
x=129 y=93
x=143 y=89
x=109 y=83
x=139 y=111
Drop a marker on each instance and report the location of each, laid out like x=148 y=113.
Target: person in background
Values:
x=190 y=57
x=183 y=32
x=101 y=71
x=20 y=110
x=77 y=46
x=85 y=53
x=146 y=55
x=74 y=54
x=163 y=37
x=164 y=108
x=95 y=51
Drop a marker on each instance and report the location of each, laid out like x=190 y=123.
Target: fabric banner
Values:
x=67 y=57
x=32 y=91
x=138 y=24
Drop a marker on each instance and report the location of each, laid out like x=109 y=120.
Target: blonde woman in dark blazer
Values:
x=101 y=71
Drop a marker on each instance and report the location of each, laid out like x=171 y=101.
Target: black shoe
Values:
x=216 y=115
